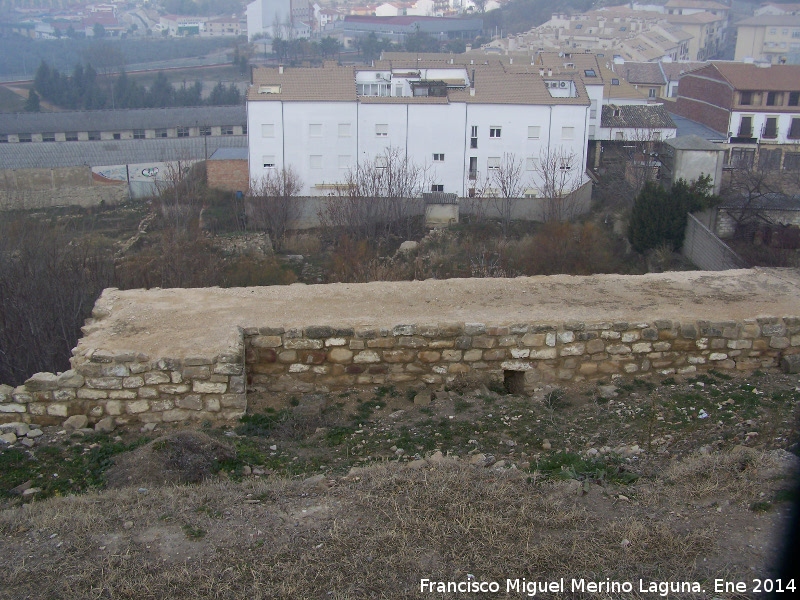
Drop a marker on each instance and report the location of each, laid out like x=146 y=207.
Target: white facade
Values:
x=459 y=142
x=769 y=128
x=263 y=15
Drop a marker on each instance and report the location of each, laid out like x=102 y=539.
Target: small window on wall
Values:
x=3 y=138
x=315 y=130
x=269 y=162
x=567 y=133
x=315 y=161
x=382 y=129
x=438 y=157
x=268 y=130
x=183 y=132
x=494 y=132
x=205 y=130
x=493 y=162
x=534 y=131
x=437 y=187
x=344 y=129
x=71 y=136
x=226 y=130
x=138 y=134
x=49 y=137
x=381 y=162
x=161 y=133
x=24 y=137
x=94 y=136
x=530 y=164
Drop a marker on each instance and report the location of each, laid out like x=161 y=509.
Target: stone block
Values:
x=595 y=346
x=618 y=349
x=773 y=329
x=366 y=356
x=610 y=335
x=227 y=369
x=451 y=355
x=303 y=344
x=178 y=388
x=516 y=365
x=740 y=344
x=155 y=378
x=190 y=402
x=162 y=405
x=70 y=379
x=137 y=406
x=90 y=394
x=58 y=409
x=791 y=363
x=473 y=355
x=335 y=341
x=287 y=356
x=520 y=352
x=533 y=339
x=318 y=331
x=717 y=356
x=458 y=368
x=412 y=342
x=464 y=342
x=387 y=342
x=663 y=346
x=429 y=356
x=233 y=401
x=104 y=383
x=298 y=368
x=132 y=382
x=642 y=347
x=573 y=349
x=441 y=344
x=589 y=368
x=13 y=407
x=40 y=382
x=122 y=394
x=779 y=342
x=365 y=333
x=176 y=414
x=450 y=329
x=566 y=337
x=196 y=361
x=64 y=395
x=474 y=328
x=211 y=403
x=114 y=370
x=271 y=330
x=483 y=341
x=630 y=336
x=543 y=354
x=340 y=355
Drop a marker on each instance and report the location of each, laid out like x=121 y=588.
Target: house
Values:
x=457 y=121
x=636 y=123
x=774 y=39
x=279 y=18
x=777 y=8
x=225 y=26
x=755 y=106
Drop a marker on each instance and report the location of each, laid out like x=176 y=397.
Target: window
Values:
x=344 y=161
x=565 y=165
x=315 y=161
x=226 y=130
x=746 y=98
x=344 y=129
x=590 y=73
x=774 y=98
x=530 y=163
x=796 y=33
x=579 y=26
x=743 y=158
x=268 y=130
x=794 y=98
x=530 y=193
x=49 y=137
x=652 y=93
x=615 y=81
x=3 y=138
x=71 y=136
x=138 y=134
x=437 y=187
x=24 y=137
x=769 y=160
x=116 y=136
x=593 y=110
x=494 y=132
x=161 y=133
x=533 y=132
x=244 y=129
x=794 y=129
x=268 y=162
x=567 y=133
x=381 y=129
x=473 y=167
x=438 y=157
x=94 y=136
x=205 y=130
x=746 y=127
x=381 y=162
x=315 y=130
x=493 y=162
x=592 y=132
x=791 y=161
x=770 y=128
x=773 y=30
x=619 y=136
x=473 y=142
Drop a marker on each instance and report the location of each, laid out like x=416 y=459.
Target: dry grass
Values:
x=374 y=535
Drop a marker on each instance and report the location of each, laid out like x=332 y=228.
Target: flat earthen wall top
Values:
x=182 y=323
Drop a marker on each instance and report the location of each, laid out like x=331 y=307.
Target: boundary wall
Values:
x=134 y=387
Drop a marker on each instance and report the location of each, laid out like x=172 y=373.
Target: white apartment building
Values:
x=459 y=121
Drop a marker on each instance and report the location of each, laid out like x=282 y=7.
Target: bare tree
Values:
x=510 y=184
x=178 y=186
x=559 y=173
x=744 y=192
x=273 y=204
x=377 y=197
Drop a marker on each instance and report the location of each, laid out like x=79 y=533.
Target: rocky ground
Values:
x=360 y=494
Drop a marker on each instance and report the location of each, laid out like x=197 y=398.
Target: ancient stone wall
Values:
x=322 y=358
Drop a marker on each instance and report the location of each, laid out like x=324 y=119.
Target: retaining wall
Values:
x=133 y=387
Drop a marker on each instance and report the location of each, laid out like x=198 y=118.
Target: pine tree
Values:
x=32 y=104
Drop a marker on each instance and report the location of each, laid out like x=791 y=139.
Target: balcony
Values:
x=769 y=133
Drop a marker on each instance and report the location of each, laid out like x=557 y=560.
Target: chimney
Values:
x=511 y=60
x=472 y=84
x=280 y=69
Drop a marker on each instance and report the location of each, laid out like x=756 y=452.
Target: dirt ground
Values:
x=489 y=487
x=176 y=323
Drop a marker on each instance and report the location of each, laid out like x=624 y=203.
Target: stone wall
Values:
x=132 y=387
x=46 y=188
x=324 y=358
